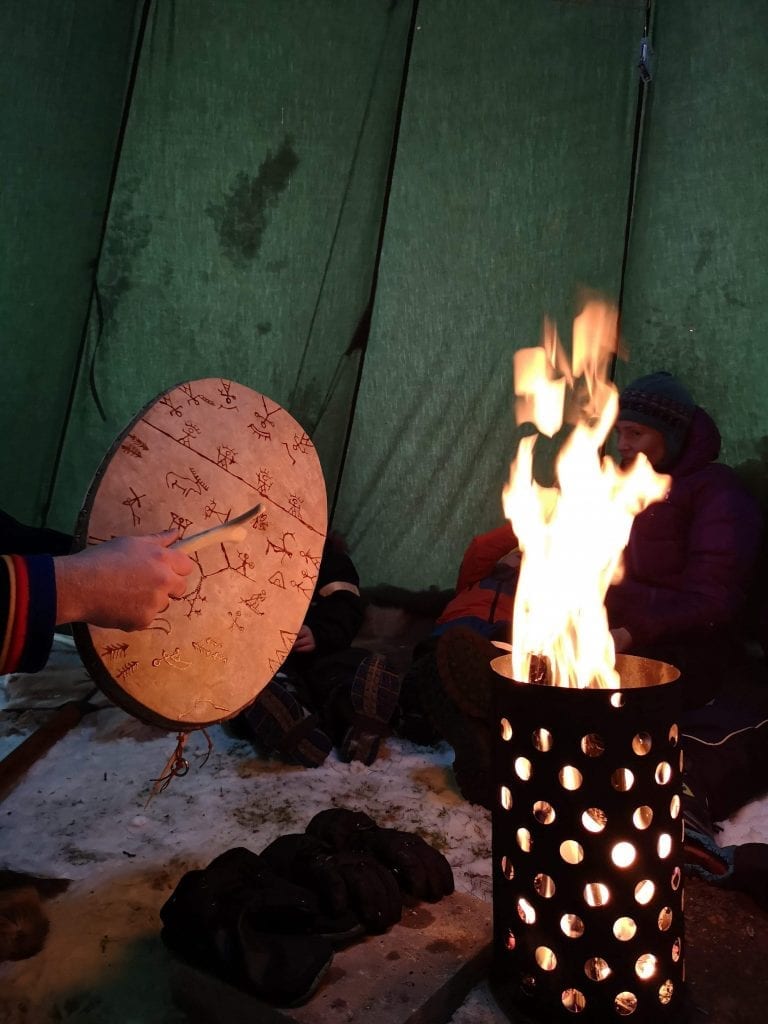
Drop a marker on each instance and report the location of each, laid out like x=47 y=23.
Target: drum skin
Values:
x=199 y=455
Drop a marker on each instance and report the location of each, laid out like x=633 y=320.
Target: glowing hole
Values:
x=665 y=919
x=571 y=851
x=674 y=806
x=570 y=777
x=574 y=1000
x=594 y=820
x=507 y=868
x=624 y=929
x=664 y=845
x=593 y=745
x=506 y=797
x=596 y=969
x=526 y=911
x=623 y=854
x=596 y=894
x=682 y=901
x=511 y=941
x=642 y=817
x=571 y=926
x=665 y=992
x=545 y=958
x=677 y=946
x=641 y=743
x=622 y=780
x=644 y=892
x=625 y=1003
x=674 y=735
x=617 y=699
x=528 y=985
x=663 y=772
x=676 y=876
x=544 y=886
x=524 y=840
x=523 y=768
x=543 y=812
x=506 y=730
x=542 y=739
x=646 y=966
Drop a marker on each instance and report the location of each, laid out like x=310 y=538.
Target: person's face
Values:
x=634 y=438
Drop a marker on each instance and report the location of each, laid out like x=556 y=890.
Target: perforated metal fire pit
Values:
x=587 y=845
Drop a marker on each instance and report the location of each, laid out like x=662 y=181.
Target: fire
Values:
x=572 y=534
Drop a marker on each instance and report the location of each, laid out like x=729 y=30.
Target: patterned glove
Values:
x=343 y=880
x=420 y=869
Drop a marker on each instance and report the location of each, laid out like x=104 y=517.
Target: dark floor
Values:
x=726 y=956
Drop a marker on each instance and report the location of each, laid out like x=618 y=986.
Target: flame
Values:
x=571 y=535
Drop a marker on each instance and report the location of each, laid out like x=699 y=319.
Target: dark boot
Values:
x=373 y=697
x=456 y=691
x=278 y=723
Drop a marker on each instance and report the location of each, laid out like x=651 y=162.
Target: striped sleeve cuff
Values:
x=27 y=612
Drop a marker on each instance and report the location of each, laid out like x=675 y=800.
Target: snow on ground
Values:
x=747 y=825
x=81 y=812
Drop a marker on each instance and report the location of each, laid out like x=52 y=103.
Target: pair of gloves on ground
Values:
x=269 y=923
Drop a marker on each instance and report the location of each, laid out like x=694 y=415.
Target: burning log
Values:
x=540 y=671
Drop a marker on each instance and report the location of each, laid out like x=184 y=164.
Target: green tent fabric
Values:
x=220 y=189
x=243 y=226
x=696 y=295
x=63 y=81
x=509 y=196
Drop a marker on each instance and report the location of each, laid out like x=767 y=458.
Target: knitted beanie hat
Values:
x=659 y=400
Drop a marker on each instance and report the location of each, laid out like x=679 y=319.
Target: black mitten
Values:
x=338 y=827
x=201 y=916
x=285 y=969
x=420 y=870
x=344 y=880
x=245 y=923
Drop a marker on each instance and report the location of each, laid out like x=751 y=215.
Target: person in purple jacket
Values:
x=688 y=566
x=690 y=557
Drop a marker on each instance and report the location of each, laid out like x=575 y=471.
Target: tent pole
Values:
x=644 y=79
x=94 y=296
x=362 y=333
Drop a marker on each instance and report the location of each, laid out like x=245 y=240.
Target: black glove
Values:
x=343 y=880
x=420 y=870
x=201 y=916
x=338 y=827
x=240 y=920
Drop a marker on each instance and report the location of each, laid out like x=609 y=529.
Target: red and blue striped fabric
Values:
x=27 y=612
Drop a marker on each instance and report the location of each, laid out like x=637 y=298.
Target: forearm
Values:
x=653 y=614
x=123 y=583
x=75 y=586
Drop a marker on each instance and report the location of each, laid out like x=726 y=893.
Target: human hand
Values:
x=122 y=583
x=622 y=639
x=305 y=641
